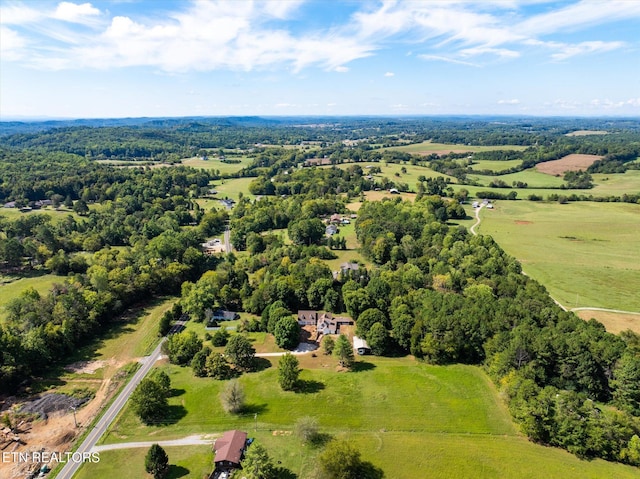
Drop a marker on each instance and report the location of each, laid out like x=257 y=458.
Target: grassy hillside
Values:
x=429 y=147
x=586 y=254
x=408 y=418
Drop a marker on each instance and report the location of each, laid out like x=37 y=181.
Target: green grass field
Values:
x=585 y=253
x=608 y=184
x=185 y=461
x=429 y=147
x=532 y=177
x=495 y=165
x=433 y=421
x=230 y=188
x=12 y=286
x=56 y=215
x=215 y=164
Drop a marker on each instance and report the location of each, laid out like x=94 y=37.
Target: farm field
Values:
x=215 y=164
x=572 y=162
x=428 y=147
x=447 y=420
x=605 y=184
x=532 y=177
x=495 y=165
x=584 y=253
x=230 y=188
x=614 y=322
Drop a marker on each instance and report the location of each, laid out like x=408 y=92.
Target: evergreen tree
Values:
x=288 y=371
x=156 y=462
x=344 y=352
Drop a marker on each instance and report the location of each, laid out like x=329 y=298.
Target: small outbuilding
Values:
x=361 y=346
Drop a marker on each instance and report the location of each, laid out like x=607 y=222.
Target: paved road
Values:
x=197 y=440
x=107 y=418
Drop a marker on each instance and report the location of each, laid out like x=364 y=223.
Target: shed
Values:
x=361 y=346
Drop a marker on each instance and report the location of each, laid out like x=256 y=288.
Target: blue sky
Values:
x=287 y=57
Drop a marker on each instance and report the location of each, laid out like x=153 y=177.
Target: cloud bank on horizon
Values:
x=252 y=57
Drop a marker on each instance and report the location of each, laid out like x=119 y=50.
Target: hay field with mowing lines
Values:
x=572 y=162
x=584 y=253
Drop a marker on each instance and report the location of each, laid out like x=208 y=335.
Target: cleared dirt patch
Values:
x=614 y=322
x=572 y=162
x=523 y=222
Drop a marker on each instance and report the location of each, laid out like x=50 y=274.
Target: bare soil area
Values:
x=523 y=222
x=46 y=423
x=572 y=162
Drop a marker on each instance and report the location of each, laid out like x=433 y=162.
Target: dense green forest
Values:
x=434 y=291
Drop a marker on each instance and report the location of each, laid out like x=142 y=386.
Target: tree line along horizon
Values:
x=435 y=291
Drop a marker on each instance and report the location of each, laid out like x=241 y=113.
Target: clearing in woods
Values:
x=573 y=162
x=614 y=322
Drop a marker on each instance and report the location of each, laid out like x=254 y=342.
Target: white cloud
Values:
x=500 y=52
x=206 y=35
x=19 y=14
x=389 y=74
x=448 y=60
x=71 y=12
x=513 y=101
x=581 y=14
x=11 y=44
x=567 y=51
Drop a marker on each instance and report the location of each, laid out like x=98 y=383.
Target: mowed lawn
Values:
x=391 y=394
x=410 y=419
x=584 y=253
x=185 y=461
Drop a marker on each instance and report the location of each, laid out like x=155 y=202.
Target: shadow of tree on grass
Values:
x=176 y=472
x=308 y=386
x=360 y=366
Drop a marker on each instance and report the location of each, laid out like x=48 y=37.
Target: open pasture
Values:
x=533 y=178
x=215 y=164
x=586 y=133
x=584 y=253
x=605 y=184
x=231 y=188
x=494 y=165
x=428 y=148
x=573 y=162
